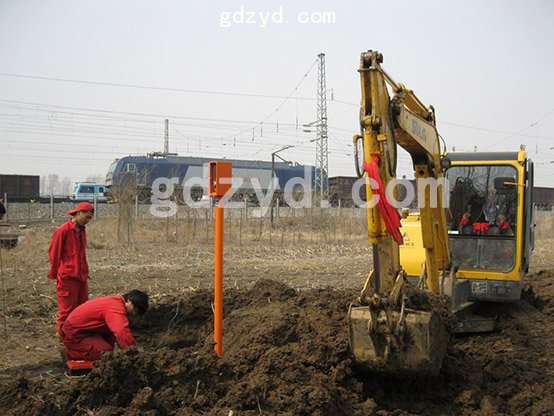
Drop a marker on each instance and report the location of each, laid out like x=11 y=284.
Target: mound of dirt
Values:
x=286 y=352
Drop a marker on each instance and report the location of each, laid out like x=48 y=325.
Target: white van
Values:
x=87 y=191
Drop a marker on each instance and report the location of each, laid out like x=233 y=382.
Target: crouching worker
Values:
x=96 y=325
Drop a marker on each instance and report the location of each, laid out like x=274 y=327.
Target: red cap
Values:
x=83 y=206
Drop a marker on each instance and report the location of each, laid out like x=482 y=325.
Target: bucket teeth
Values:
x=388 y=341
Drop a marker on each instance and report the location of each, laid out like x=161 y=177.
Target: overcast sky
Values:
x=486 y=66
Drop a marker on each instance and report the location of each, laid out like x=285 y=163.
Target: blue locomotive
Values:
x=142 y=171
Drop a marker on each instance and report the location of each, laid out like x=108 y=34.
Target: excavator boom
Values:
x=389 y=331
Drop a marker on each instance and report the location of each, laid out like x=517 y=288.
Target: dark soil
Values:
x=286 y=352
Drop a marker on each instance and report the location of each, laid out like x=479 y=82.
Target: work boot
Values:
x=78 y=367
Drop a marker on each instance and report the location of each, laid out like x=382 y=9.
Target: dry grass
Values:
x=315 y=248
x=165 y=255
x=152 y=241
x=544 y=221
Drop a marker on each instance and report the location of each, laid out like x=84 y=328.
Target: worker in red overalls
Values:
x=95 y=326
x=503 y=224
x=68 y=260
x=464 y=222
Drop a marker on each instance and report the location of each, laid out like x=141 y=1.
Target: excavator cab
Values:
x=493 y=249
x=490 y=227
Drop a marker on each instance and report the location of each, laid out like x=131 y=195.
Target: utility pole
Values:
x=322 y=148
x=166 y=137
x=273 y=177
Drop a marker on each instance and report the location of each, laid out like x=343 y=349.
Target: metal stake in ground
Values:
x=220 y=184
x=3 y=292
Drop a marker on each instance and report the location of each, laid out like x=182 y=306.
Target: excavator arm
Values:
x=387 y=332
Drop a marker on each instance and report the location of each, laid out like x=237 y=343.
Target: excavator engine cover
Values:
x=387 y=341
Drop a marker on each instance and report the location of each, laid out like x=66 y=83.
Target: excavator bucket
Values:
x=402 y=343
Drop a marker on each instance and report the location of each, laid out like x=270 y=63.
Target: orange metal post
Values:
x=218 y=282
x=221 y=174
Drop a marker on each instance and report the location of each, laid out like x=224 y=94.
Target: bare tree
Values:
x=124 y=196
x=52 y=184
x=66 y=186
x=43 y=185
x=126 y=193
x=96 y=178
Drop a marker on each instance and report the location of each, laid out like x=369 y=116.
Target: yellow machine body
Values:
x=496 y=281
x=474 y=246
x=412 y=253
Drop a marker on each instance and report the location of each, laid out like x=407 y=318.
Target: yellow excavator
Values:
x=471 y=240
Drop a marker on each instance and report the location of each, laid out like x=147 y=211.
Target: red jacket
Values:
x=67 y=254
x=100 y=316
x=504 y=225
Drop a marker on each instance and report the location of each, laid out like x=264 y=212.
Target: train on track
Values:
x=142 y=171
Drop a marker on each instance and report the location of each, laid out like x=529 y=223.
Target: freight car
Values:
x=343 y=188
x=543 y=197
x=20 y=188
x=141 y=171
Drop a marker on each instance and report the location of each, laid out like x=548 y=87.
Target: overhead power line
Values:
x=523 y=129
x=150 y=87
x=128 y=113
x=276 y=111
x=497 y=131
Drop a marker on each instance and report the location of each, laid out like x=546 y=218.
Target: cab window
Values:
x=130 y=167
x=482 y=216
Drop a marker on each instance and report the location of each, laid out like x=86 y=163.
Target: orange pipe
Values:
x=218 y=280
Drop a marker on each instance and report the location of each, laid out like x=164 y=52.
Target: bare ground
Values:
x=286 y=348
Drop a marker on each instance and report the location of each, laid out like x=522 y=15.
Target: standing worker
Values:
x=68 y=260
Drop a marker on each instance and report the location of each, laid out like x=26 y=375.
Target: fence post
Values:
x=6 y=206
x=278 y=204
x=245 y=209
x=95 y=203
x=51 y=206
x=136 y=206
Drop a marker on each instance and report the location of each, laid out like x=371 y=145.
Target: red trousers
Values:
x=71 y=293
x=88 y=347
